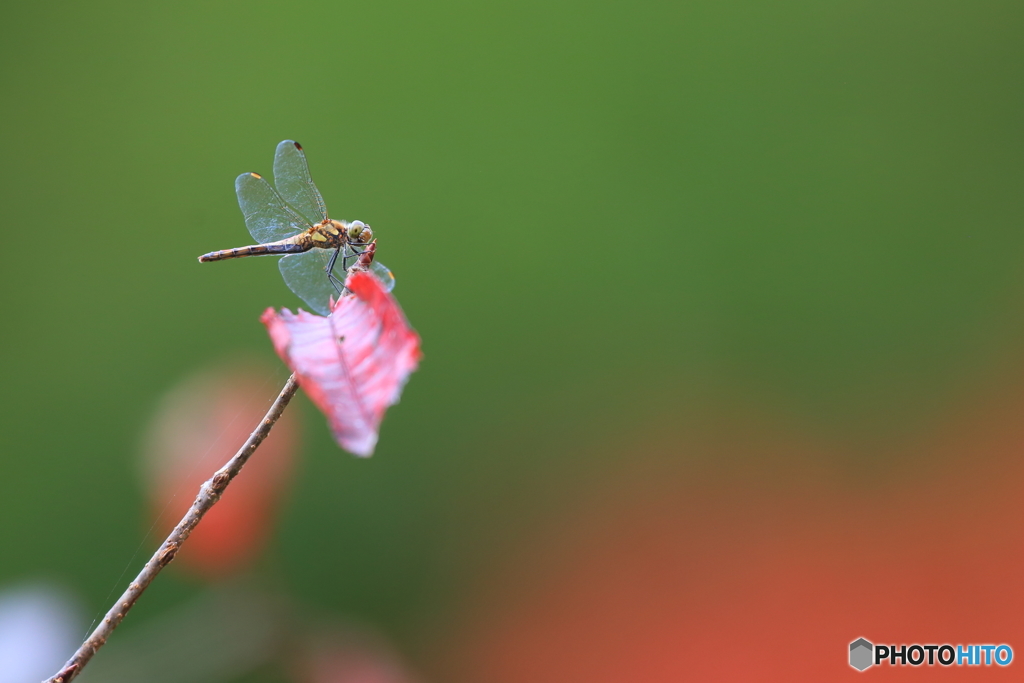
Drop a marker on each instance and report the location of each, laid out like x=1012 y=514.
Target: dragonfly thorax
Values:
x=327 y=234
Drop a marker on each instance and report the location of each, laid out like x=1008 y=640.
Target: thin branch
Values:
x=209 y=493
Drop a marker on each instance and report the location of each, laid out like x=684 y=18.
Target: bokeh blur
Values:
x=721 y=307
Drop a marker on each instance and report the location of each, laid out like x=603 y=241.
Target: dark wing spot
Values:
x=298 y=146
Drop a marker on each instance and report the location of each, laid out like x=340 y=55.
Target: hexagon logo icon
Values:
x=860 y=654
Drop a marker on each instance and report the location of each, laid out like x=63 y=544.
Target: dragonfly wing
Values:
x=267 y=216
x=305 y=275
x=384 y=274
x=291 y=176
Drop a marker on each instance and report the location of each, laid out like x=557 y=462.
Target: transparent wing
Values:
x=305 y=275
x=267 y=216
x=386 y=277
x=291 y=177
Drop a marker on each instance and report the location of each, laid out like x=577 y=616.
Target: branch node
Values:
x=65 y=672
x=220 y=482
x=167 y=554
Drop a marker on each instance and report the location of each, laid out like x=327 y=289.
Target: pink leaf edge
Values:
x=352 y=364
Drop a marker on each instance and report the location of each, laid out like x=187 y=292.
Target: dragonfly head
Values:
x=359 y=231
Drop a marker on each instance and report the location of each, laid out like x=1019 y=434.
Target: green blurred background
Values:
x=604 y=218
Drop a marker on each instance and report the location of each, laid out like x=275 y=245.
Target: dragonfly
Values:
x=290 y=218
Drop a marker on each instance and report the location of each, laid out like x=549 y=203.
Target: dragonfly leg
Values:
x=356 y=253
x=350 y=254
x=338 y=285
x=329 y=269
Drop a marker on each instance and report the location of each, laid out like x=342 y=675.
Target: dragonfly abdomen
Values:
x=253 y=250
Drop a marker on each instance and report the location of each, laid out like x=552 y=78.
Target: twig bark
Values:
x=209 y=493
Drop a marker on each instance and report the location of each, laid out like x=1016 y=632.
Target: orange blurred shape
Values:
x=766 y=564
x=198 y=426
x=346 y=656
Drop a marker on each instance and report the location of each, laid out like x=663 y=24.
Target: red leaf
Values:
x=352 y=364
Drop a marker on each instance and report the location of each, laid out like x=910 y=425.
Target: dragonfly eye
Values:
x=359 y=231
x=355 y=229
